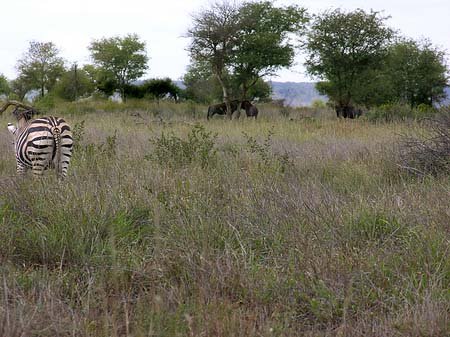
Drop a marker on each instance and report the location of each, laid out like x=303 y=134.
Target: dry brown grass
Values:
x=302 y=227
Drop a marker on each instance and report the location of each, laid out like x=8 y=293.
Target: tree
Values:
x=341 y=48
x=264 y=43
x=160 y=88
x=19 y=88
x=121 y=60
x=242 y=44
x=74 y=83
x=201 y=84
x=40 y=67
x=213 y=37
x=417 y=72
x=5 y=88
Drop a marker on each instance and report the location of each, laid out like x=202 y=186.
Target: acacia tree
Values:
x=121 y=60
x=417 y=72
x=40 y=67
x=342 y=47
x=213 y=35
x=244 y=43
x=264 y=42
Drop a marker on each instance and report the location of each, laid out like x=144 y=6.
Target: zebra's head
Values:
x=22 y=112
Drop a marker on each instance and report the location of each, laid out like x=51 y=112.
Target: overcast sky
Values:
x=161 y=24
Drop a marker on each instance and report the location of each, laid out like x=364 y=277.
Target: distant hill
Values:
x=446 y=100
x=296 y=93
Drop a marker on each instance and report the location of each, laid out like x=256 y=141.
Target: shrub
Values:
x=177 y=152
x=428 y=152
x=397 y=111
x=269 y=160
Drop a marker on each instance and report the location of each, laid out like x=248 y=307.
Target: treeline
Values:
x=234 y=47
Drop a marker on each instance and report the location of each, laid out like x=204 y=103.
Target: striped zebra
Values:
x=40 y=143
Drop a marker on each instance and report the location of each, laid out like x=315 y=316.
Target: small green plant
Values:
x=177 y=152
x=268 y=158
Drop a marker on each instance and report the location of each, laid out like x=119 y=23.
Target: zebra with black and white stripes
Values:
x=40 y=143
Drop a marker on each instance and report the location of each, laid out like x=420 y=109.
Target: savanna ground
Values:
x=168 y=225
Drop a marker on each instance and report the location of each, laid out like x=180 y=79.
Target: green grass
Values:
x=170 y=225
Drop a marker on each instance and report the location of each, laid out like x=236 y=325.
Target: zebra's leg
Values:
x=20 y=169
x=37 y=169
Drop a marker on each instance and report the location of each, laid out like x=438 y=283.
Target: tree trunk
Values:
x=226 y=98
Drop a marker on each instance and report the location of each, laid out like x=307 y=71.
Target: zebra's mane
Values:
x=27 y=114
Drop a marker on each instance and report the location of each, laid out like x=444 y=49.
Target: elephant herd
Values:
x=221 y=109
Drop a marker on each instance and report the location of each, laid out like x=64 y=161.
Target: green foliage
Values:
x=5 y=88
x=397 y=112
x=342 y=47
x=175 y=152
x=45 y=103
x=201 y=85
x=261 y=91
x=319 y=104
x=40 y=67
x=121 y=60
x=19 y=88
x=224 y=39
x=74 y=83
x=417 y=72
x=271 y=40
x=269 y=161
x=161 y=88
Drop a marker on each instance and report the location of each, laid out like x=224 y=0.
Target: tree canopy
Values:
x=4 y=85
x=40 y=67
x=120 y=60
x=342 y=47
x=417 y=72
x=264 y=41
x=242 y=44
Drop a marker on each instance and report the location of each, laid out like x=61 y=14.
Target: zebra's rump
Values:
x=36 y=145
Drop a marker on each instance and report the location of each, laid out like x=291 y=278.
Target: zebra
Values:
x=40 y=143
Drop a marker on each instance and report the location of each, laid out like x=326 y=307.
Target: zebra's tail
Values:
x=58 y=164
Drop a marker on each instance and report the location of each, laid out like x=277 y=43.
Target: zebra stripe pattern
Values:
x=43 y=143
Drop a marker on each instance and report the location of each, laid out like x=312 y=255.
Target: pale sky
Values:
x=73 y=25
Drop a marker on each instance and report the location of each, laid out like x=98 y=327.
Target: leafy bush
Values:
x=177 y=152
x=396 y=111
x=269 y=160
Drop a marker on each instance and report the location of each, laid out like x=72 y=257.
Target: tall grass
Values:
x=295 y=227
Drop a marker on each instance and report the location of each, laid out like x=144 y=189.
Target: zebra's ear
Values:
x=12 y=128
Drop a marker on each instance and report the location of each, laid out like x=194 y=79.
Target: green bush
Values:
x=398 y=112
x=177 y=152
